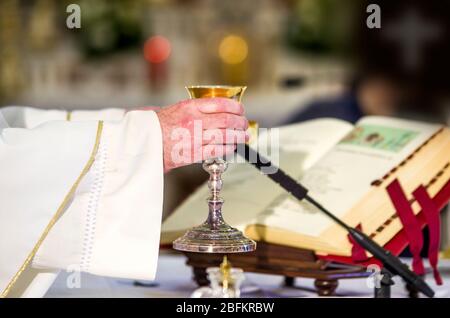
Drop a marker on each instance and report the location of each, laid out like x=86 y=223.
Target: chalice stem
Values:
x=215 y=167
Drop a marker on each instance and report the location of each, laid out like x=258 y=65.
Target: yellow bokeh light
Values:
x=233 y=49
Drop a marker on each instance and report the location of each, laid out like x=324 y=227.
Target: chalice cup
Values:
x=215 y=235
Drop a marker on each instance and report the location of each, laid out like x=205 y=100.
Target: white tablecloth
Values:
x=174 y=279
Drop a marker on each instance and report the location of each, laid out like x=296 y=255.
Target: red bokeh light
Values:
x=157 y=49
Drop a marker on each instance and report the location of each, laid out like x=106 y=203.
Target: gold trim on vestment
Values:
x=58 y=213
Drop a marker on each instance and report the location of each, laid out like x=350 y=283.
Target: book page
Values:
x=341 y=178
x=246 y=192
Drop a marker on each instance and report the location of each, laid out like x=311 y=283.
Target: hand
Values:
x=197 y=129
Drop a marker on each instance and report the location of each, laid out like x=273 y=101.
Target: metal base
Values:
x=224 y=239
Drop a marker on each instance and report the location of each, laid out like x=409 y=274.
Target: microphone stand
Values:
x=392 y=264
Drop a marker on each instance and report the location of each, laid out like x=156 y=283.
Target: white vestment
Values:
x=78 y=194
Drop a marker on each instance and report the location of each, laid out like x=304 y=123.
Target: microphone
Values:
x=389 y=261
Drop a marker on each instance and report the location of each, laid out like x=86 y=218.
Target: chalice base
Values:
x=224 y=239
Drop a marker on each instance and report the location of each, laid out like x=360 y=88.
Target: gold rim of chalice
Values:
x=209 y=91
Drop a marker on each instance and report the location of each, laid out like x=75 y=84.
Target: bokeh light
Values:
x=233 y=49
x=157 y=49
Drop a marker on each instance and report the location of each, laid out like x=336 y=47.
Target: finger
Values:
x=219 y=105
x=226 y=121
x=224 y=136
x=214 y=151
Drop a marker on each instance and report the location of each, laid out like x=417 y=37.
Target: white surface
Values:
x=173 y=279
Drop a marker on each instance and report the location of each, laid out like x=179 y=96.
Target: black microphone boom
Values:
x=390 y=261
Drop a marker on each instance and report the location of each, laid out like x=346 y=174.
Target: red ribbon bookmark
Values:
x=359 y=254
x=431 y=213
x=411 y=225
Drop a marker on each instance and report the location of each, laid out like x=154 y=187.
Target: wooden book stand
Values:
x=287 y=261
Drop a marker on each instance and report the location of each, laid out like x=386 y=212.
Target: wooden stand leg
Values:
x=200 y=276
x=288 y=262
x=412 y=292
x=325 y=287
x=289 y=281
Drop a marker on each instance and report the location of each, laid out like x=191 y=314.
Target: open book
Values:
x=345 y=167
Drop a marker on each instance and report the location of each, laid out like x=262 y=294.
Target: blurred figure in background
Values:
x=402 y=67
x=373 y=95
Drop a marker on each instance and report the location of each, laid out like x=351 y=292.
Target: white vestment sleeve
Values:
x=39 y=169
x=112 y=227
x=111 y=224
x=28 y=117
x=109 y=114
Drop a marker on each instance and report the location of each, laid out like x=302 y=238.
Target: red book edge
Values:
x=400 y=241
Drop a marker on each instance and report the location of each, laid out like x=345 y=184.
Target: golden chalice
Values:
x=215 y=235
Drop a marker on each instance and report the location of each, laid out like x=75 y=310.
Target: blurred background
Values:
x=143 y=52
x=300 y=59
x=290 y=53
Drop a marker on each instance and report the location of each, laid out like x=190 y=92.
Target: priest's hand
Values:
x=197 y=129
